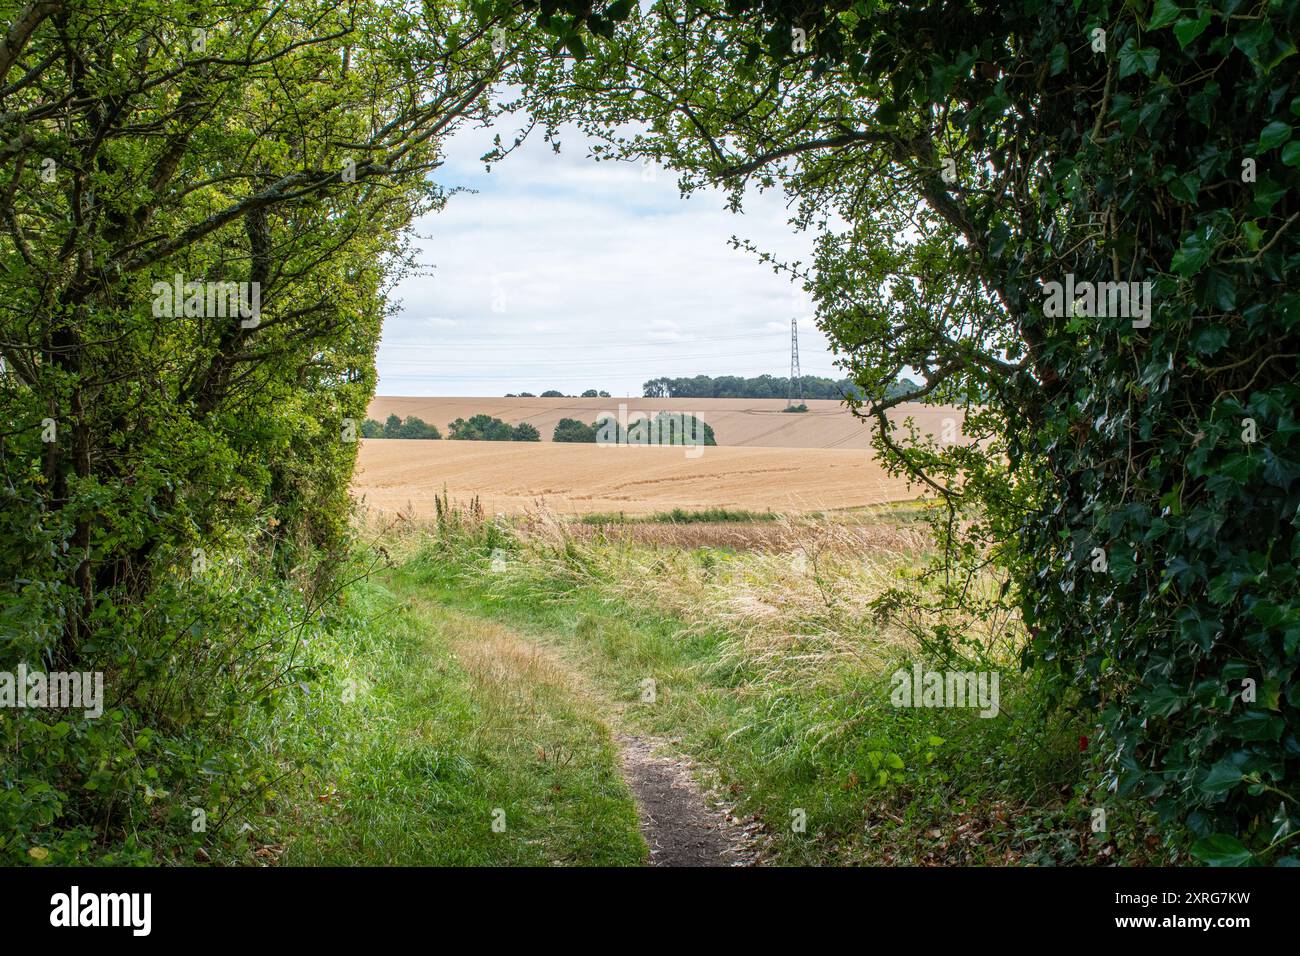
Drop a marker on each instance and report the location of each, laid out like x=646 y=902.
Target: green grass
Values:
x=875 y=784
x=437 y=735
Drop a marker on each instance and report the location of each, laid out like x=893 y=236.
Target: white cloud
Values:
x=560 y=272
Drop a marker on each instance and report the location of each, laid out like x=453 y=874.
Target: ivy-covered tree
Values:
x=1077 y=220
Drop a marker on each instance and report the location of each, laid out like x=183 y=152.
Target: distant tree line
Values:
x=669 y=428
x=761 y=386
x=487 y=428
x=477 y=428
x=552 y=393
x=394 y=427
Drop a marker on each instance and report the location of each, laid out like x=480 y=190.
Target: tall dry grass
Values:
x=805 y=600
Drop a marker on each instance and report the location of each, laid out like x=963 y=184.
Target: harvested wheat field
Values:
x=756 y=422
x=511 y=477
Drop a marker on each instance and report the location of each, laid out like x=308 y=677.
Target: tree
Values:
x=393 y=427
x=552 y=393
x=572 y=430
x=591 y=393
x=416 y=428
x=763 y=386
x=203 y=210
x=371 y=429
x=1131 y=463
x=486 y=428
x=657 y=388
x=664 y=428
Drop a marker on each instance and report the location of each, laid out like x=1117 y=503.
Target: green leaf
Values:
x=1133 y=59
x=1163 y=701
x=1275 y=134
x=573 y=42
x=1257 y=725
x=1219 y=291
x=1251 y=41
x=1223 y=776
x=1291 y=154
x=1252 y=233
x=1220 y=849
x=1165 y=13
x=1187 y=29
x=1059 y=58
x=1194 y=253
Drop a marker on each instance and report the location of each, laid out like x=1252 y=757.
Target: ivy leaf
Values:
x=1251 y=41
x=1266 y=195
x=1165 y=13
x=1223 y=776
x=998 y=237
x=1133 y=59
x=1257 y=725
x=1253 y=233
x=1194 y=253
x=1291 y=154
x=1187 y=29
x=1275 y=134
x=1220 y=849
x=1059 y=58
x=1185 y=187
x=1164 y=701
x=1219 y=291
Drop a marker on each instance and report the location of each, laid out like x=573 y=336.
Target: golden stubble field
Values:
x=749 y=422
x=511 y=477
x=765 y=460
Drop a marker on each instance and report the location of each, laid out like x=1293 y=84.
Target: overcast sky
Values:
x=560 y=272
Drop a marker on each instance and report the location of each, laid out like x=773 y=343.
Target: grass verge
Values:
x=772 y=679
x=438 y=727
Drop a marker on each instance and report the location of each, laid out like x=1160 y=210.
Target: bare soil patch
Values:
x=680 y=825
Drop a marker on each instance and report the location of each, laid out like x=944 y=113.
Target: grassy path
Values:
x=476 y=744
x=466 y=745
x=577 y=718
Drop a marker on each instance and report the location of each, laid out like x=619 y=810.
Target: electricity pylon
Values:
x=795 y=384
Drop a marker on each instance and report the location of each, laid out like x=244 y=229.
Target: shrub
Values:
x=415 y=428
x=572 y=430
x=486 y=428
x=671 y=428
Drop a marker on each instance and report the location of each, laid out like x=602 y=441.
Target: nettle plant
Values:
x=1129 y=462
